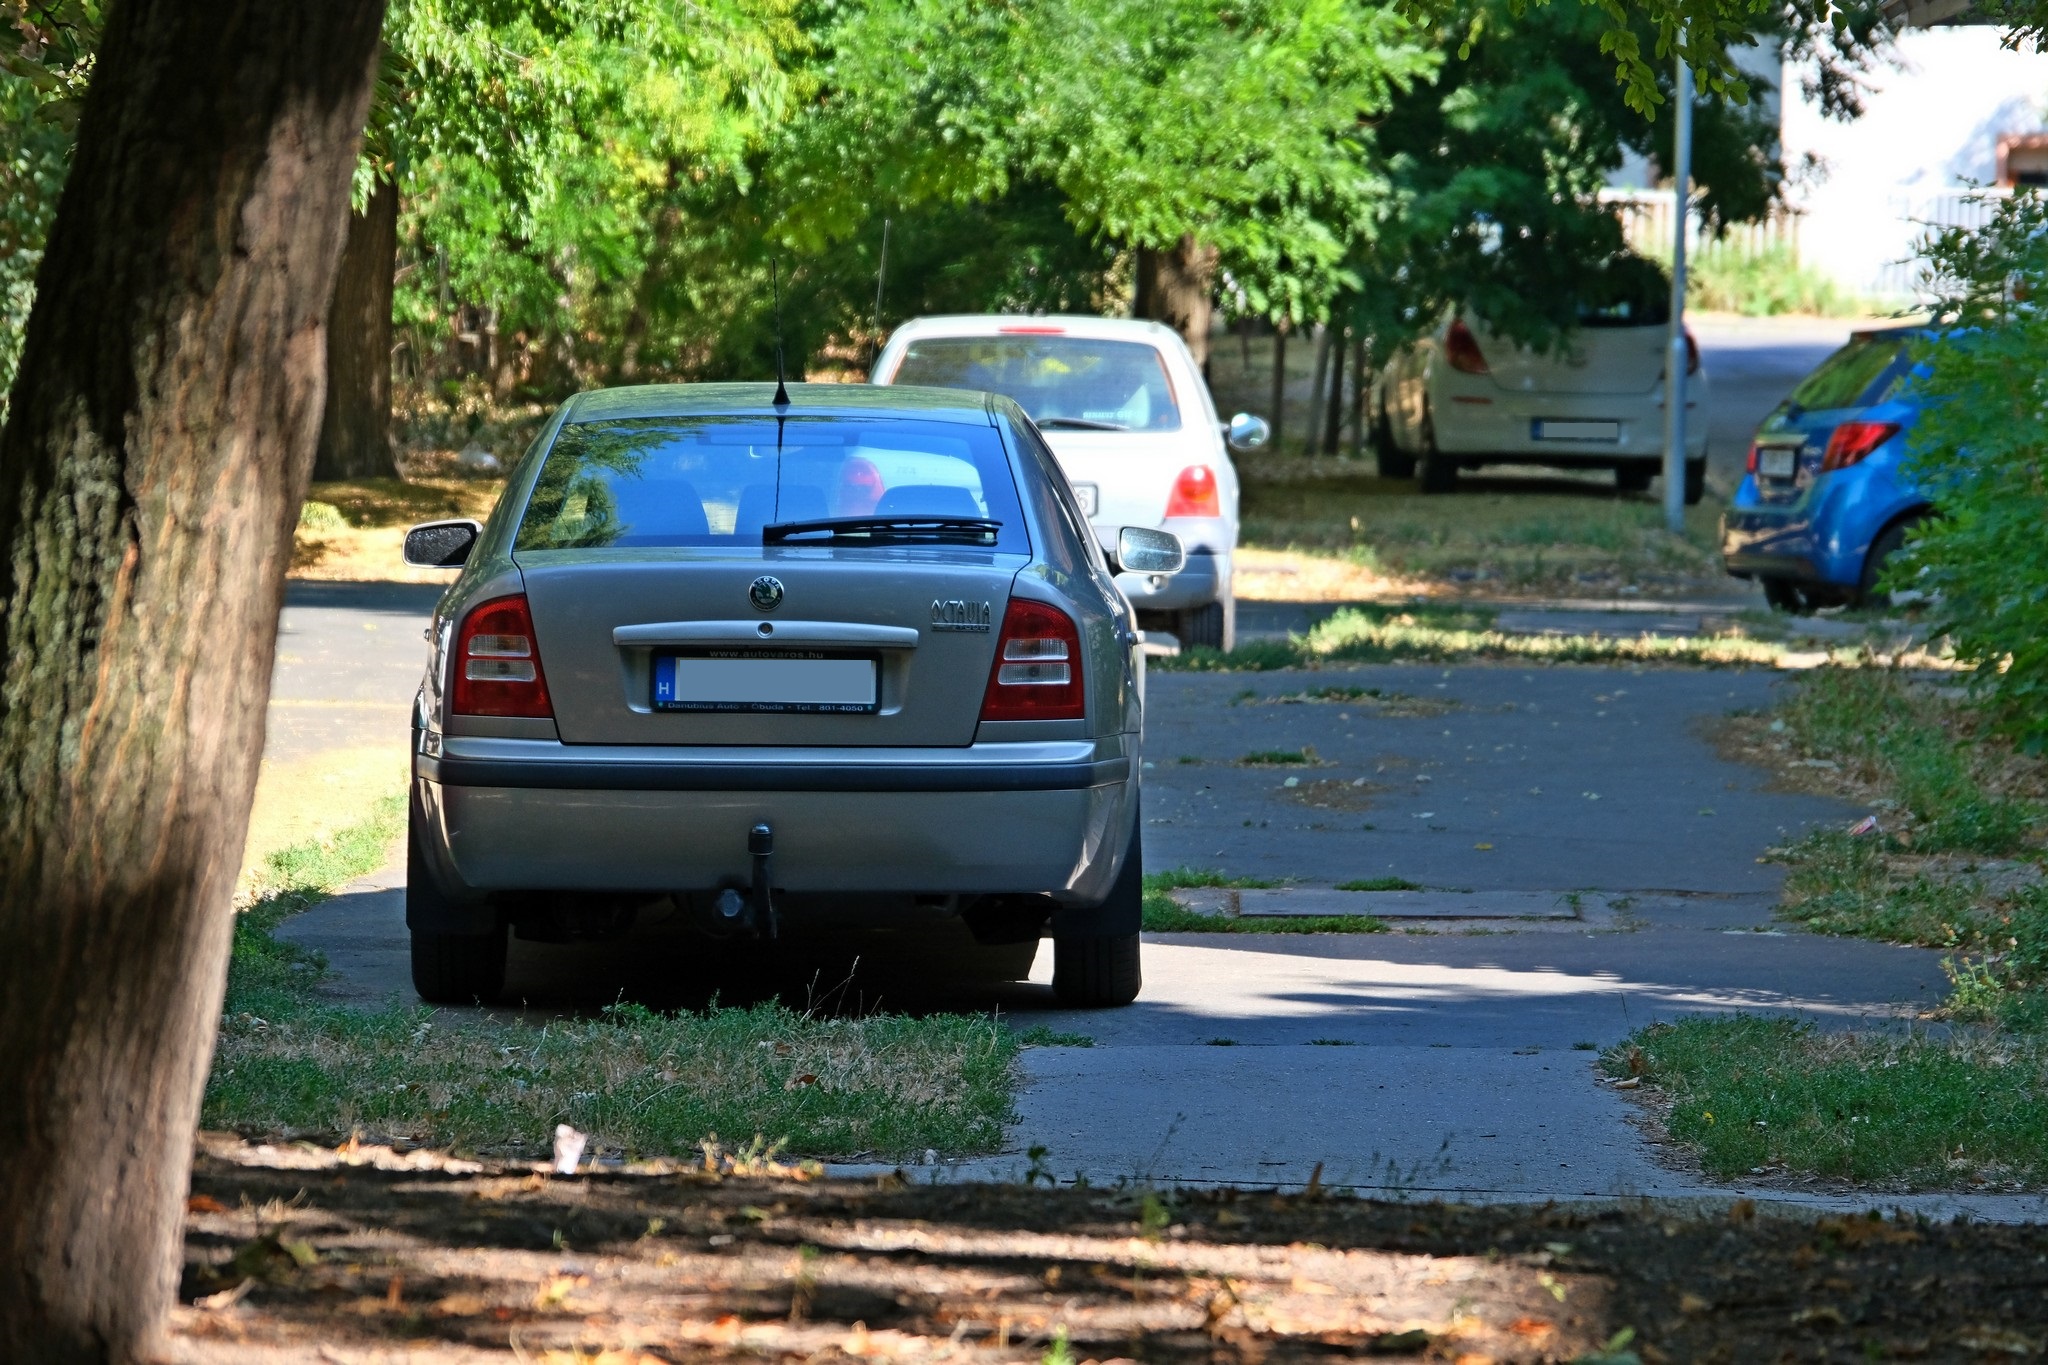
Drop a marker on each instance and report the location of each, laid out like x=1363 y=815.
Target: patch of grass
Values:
x=1176 y=877
x=1585 y=1047
x=1039 y=1035
x=1223 y=1042
x=1331 y=1042
x=1958 y=786
x=1778 y=1094
x=1164 y=915
x=1278 y=758
x=1767 y=281
x=290 y=1061
x=1380 y=884
x=1409 y=634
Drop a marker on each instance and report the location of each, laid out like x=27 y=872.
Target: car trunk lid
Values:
x=1592 y=360
x=1131 y=472
x=926 y=618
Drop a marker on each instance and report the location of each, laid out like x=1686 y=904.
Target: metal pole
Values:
x=1675 y=353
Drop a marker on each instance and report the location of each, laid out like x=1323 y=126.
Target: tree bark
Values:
x=355 y=429
x=162 y=432
x=1333 y=417
x=1178 y=287
x=1279 y=385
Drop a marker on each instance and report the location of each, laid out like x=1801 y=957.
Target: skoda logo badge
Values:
x=765 y=593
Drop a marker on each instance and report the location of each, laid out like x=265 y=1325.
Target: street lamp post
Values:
x=1676 y=353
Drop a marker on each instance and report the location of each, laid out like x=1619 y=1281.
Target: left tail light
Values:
x=1194 y=494
x=1853 y=442
x=1461 y=348
x=1037 y=672
x=497 y=663
x=1750 y=466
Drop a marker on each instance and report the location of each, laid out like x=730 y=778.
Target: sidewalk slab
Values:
x=1307 y=901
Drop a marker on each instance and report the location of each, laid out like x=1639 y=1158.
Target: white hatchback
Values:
x=1462 y=396
x=1124 y=409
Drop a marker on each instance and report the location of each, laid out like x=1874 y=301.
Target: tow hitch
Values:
x=751 y=914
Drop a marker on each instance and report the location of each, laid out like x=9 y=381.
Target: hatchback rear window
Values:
x=1852 y=376
x=1061 y=381
x=722 y=481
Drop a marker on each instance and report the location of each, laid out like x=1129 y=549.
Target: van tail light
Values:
x=1692 y=353
x=1037 y=672
x=1461 y=348
x=497 y=663
x=1194 y=494
x=1853 y=442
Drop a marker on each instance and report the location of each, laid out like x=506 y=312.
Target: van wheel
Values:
x=1695 y=481
x=458 y=969
x=1097 y=971
x=1210 y=627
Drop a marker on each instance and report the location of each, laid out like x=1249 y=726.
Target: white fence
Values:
x=1646 y=223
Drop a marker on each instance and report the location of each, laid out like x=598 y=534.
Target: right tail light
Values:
x=1854 y=442
x=1037 y=669
x=1194 y=494
x=497 y=663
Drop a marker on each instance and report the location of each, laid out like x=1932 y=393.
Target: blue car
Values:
x=1826 y=498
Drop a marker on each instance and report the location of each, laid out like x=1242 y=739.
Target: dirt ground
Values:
x=303 y=1254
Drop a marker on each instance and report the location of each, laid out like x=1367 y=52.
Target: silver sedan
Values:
x=852 y=655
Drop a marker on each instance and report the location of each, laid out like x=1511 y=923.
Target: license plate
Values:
x=1090 y=498
x=762 y=680
x=1778 y=463
x=1575 y=431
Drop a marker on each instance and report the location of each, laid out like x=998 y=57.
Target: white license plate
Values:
x=1777 y=463
x=1575 y=431
x=793 y=681
x=1090 y=498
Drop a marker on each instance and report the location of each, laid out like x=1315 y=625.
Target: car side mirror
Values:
x=1247 y=432
x=441 y=544
x=1141 y=549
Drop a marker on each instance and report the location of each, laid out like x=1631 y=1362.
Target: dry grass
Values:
x=311 y=799
x=355 y=530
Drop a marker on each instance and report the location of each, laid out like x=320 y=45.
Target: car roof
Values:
x=1060 y=324
x=757 y=400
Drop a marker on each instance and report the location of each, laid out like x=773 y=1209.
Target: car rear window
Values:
x=1627 y=291
x=720 y=480
x=1853 y=376
x=1059 y=380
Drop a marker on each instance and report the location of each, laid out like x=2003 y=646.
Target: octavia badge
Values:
x=765 y=593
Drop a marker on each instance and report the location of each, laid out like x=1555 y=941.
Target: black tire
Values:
x=1393 y=462
x=1634 y=478
x=1889 y=542
x=1435 y=471
x=458 y=969
x=1695 y=481
x=1101 y=971
x=1786 y=596
x=1211 y=627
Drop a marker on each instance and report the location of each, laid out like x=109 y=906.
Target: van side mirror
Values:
x=1247 y=432
x=1142 y=549
x=441 y=544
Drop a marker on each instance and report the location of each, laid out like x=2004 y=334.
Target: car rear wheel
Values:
x=1786 y=596
x=458 y=969
x=1435 y=471
x=1695 y=481
x=1099 y=971
x=1393 y=462
x=1889 y=542
x=1634 y=478
x=1211 y=627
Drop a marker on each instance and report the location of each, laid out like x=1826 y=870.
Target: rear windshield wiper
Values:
x=912 y=530
x=1081 y=424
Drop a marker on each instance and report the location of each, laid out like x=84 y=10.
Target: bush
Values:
x=1979 y=443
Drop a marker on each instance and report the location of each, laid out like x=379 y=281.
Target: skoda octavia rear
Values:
x=847 y=656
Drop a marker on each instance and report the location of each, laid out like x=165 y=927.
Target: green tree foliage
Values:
x=1979 y=444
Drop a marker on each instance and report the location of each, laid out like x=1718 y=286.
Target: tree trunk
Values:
x=1177 y=287
x=355 y=430
x=1358 y=387
x=1279 y=385
x=163 y=427
x=1315 y=393
x=1333 y=417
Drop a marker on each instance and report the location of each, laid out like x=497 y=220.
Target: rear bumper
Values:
x=1044 y=818
x=1503 y=427
x=1205 y=579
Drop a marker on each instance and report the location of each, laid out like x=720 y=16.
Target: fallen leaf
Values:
x=1487 y=847
x=204 y=1203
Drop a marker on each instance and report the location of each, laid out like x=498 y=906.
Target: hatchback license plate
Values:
x=1777 y=464
x=763 y=680
x=1090 y=497
x=1575 y=431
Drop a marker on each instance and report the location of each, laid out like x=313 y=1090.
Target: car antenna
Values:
x=781 y=389
x=881 y=278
